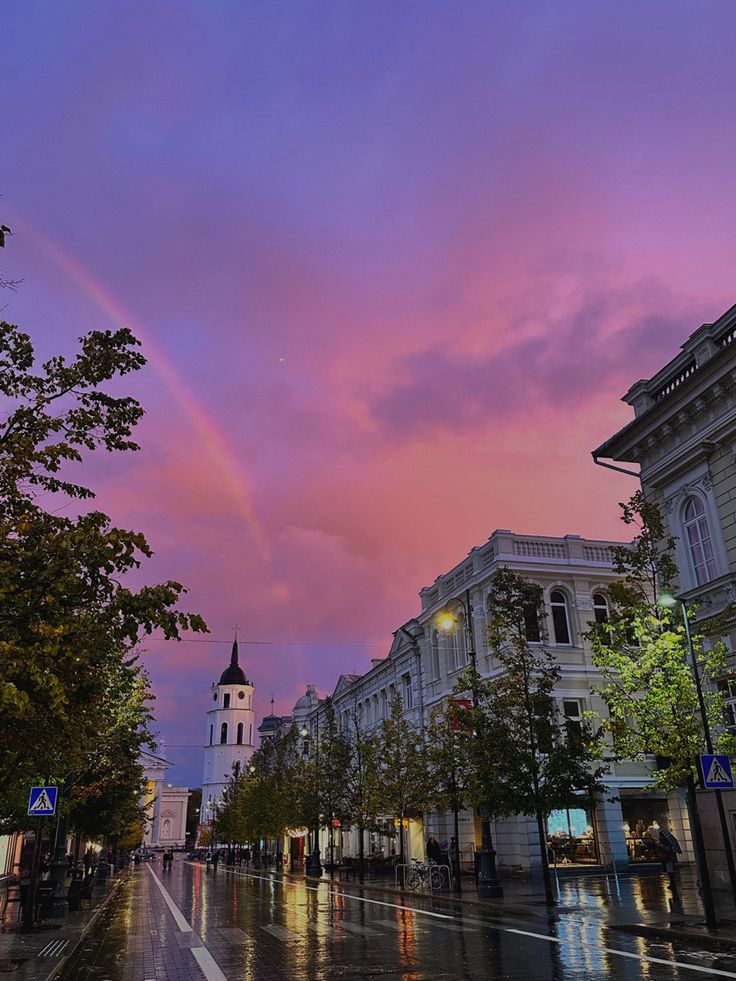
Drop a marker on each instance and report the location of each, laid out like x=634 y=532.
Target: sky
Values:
x=393 y=266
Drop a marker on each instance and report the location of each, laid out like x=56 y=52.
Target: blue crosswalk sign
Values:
x=42 y=802
x=717 y=772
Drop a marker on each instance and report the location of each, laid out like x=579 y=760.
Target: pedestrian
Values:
x=89 y=857
x=246 y=857
x=215 y=858
x=668 y=848
x=434 y=851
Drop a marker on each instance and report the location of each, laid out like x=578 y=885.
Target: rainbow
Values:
x=232 y=478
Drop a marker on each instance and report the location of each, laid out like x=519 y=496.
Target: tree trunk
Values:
x=546 y=875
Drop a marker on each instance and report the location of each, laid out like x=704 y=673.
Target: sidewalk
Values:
x=630 y=903
x=40 y=955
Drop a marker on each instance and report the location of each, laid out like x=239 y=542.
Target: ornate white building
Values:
x=229 y=734
x=165 y=806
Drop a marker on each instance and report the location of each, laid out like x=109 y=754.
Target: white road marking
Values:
x=208 y=964
x=203 y=957
x=280 y=932
x=525 y=933
x=183 y=925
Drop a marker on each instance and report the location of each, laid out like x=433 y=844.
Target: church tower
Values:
x=229 y=735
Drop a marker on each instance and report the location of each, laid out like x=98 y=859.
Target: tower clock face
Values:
x=241 y=694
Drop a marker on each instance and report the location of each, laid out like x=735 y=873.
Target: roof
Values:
x=234 y=674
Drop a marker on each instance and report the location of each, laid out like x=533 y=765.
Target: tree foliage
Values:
x=74 y=698
x=644 y=657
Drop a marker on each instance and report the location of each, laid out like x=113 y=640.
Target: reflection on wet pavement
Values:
x=241 y=925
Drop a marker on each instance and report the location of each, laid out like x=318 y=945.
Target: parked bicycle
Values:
x=422 y=875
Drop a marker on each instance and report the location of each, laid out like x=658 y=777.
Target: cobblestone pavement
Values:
x=192 y=924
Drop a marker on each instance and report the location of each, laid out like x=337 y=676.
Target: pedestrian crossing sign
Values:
x=42 y=802
x=716 y=771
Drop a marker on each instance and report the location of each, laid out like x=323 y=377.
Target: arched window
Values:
x=462 y=647
x=435 y=654
x=250 y=734
x=212 y=733
x=240 y=734
x=560 y=621
x=223 y=732
x=600 y=608
x=699 y=540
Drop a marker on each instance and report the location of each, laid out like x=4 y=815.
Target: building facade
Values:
x=229 y=733
x=165 y=806
x=683 y=439
x=424 y=664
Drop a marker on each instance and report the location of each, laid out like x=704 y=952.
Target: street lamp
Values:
x=313 y=864
x=489 y=884
x=669 y=601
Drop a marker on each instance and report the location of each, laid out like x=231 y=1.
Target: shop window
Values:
x=560 y=620
x=570 y=837
x=699 y=540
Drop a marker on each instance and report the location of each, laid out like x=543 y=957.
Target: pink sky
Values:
x=394 y=266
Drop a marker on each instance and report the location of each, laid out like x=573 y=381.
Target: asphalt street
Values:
x=192 y=924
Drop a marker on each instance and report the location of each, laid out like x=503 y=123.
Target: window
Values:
x=560 y=622
x=250 y=734
x=600 y=608
x=408 y=692
x=435 y=654
x=226 y=701
x=212 y=733
x=462 y=646
x=572 y=711
x=223 y=732
x=727 y=688
x=451 y=640
x=239 y=740
x=700 y=546
x=531 y=624
x=384 y=704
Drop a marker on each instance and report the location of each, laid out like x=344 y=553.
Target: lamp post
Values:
x=489 y=884
x=667 y=600
x=313 y=864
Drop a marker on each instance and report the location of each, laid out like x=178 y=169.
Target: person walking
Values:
x=215 y=858
x=434 y=851
x=668 y=848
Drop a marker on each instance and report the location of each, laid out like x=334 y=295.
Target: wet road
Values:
x=193 y=924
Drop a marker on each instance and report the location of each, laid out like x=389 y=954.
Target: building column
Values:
x=611 y=835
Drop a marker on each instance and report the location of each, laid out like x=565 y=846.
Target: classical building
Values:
x=165 y=806
x=422 y=667
x=229 y=733
x=683 y=439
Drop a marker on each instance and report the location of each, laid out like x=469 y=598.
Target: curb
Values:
x=85 y=930
x=674 y=933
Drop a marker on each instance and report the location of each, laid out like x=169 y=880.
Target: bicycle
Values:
x=419 y=875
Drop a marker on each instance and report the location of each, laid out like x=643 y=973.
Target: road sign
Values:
x=42 y=802
x=717 y=772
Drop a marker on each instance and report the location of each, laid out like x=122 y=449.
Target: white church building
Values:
x=229 y=733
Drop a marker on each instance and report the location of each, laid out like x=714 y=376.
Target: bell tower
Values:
x=229 y=733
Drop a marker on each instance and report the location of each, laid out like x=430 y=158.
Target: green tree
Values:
x=450 y=743
x=527 y=759
x=332 y=765
x=361 y=783
x=644 y=657
x=69 y=624
x=402 y=769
